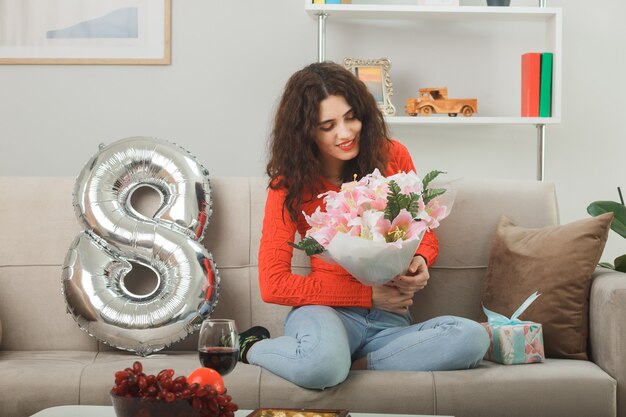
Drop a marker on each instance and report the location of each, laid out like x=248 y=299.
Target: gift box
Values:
x=513 y=341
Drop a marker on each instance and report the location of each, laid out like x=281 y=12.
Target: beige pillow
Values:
x=556 y=261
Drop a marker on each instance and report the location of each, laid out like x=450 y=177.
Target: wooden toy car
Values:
x=435 y=100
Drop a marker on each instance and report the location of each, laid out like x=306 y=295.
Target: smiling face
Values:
x=337 y=135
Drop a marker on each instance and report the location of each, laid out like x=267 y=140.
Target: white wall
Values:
x=230 y=60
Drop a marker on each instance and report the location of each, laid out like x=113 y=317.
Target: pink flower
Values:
x=373 y=222
x=408 y=182
x=358 y=209
x=322 y=226
x=402 y=228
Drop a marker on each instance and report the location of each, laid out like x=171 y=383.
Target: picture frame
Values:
x=375 y=73
x=123 y=32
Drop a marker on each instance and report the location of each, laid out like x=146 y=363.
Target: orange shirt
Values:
x=326 y=284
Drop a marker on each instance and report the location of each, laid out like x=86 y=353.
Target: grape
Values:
x=132 y=382
x=137 y=367
x=212 y=406
x=196 y=403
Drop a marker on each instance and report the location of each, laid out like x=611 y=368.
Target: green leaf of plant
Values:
x=394 y=201
x=619 y=214
x=606 y=265
x=620 y=263
x=429 y=177
x=432 y=193
x=309 y=245
x=413 y=206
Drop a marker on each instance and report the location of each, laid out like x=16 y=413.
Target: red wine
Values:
x=222 y=359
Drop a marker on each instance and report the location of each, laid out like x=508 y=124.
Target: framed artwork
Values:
x=375 y=74
x=85 y=32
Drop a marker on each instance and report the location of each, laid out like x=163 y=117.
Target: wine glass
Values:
x=218 y=345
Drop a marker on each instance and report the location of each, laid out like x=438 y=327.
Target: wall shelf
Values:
x=459 y=13
x=474 y=120
x=370 y=14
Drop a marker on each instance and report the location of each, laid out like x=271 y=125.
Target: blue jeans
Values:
x=321 y=342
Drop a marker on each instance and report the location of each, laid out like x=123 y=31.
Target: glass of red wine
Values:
x=218 y=345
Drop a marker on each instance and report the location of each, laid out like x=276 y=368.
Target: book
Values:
x=333 y=1
x=531 y=79
x=545 y=85
x=318 y=1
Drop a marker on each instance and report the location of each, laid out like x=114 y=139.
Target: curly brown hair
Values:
x=294 y=162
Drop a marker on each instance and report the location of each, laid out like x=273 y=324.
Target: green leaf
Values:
x=432 y=193
x=606 y=265
x=413 y=206
x=619 y=214
x=620 y=263
x=309 y=245
x=394 y=197
x=396 y=201
x=429 y=177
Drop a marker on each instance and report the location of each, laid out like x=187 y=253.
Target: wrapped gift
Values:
x=513 y=341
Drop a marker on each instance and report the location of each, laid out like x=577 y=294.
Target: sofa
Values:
x=47 y=360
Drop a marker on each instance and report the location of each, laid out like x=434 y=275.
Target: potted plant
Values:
x=618 y=225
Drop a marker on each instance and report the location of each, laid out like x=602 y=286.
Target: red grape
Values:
x=133 y=382
x=137 y=367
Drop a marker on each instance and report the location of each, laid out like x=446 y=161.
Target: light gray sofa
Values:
x=46 y=360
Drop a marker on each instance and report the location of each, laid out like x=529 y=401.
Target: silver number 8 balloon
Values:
x=116 y=236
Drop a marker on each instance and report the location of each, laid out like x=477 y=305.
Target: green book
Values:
x=545 y=86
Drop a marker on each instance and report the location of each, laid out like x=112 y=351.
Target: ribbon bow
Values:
x=497 y=319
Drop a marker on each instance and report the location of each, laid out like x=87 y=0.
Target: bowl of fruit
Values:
x=201 y=394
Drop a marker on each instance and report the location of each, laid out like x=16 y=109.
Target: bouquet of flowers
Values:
x=372 y=227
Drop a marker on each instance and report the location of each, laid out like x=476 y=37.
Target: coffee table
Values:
x=107 y=411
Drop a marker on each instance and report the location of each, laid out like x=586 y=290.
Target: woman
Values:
x=326 y=129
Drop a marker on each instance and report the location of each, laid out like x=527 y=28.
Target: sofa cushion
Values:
x=377 y=392
x=457 y=278
x=29 y=294
x=557 y=262
x=34 y=380
x=557 y=387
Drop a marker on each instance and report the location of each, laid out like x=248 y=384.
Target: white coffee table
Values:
x=107 y=411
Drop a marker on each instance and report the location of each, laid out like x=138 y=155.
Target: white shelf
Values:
x=451 y=13
x=551 y=18
x=474 y=120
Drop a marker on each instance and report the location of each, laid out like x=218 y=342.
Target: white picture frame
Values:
x=85 y=32
x=375 y=74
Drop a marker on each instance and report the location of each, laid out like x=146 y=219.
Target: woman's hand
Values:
x=416 y=277
x=397 y=295
x=388 y=298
